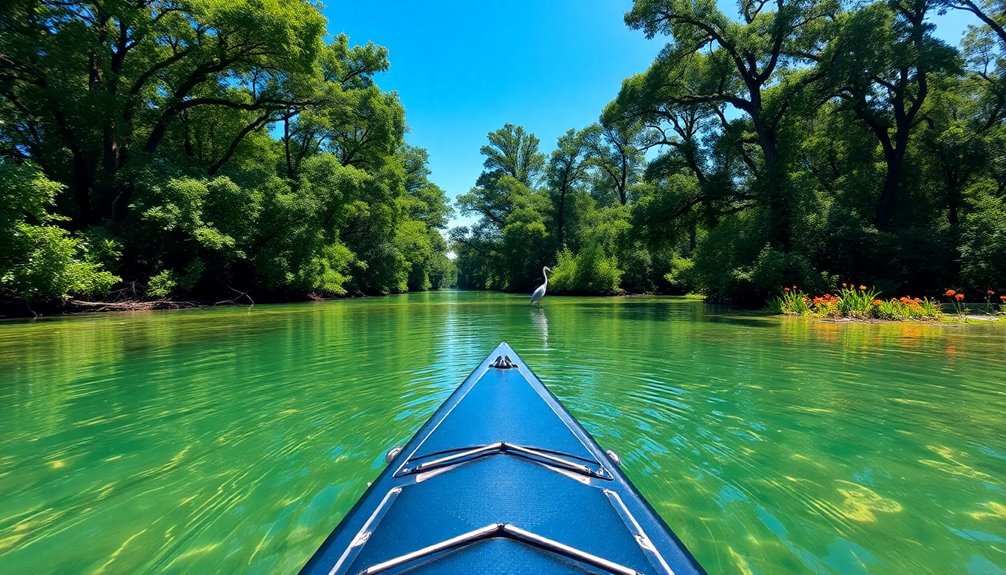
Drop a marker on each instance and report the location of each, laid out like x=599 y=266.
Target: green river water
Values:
x=233 y=440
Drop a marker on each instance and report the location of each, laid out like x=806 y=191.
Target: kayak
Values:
x=502 y=479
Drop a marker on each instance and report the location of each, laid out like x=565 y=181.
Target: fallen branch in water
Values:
x=132 y=305
x=241 y=294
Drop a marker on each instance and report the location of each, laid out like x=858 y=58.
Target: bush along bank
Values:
x=863 y=302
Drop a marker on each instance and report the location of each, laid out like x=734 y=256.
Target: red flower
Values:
x=959 y=296
x=950 y=293
x=785 y=289
x=989 y=292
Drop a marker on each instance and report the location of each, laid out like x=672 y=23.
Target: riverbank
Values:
x=945 y=320
x=14 y=310
x=19 y=309
x=22 y=309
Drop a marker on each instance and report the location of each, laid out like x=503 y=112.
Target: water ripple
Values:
x=233 y=440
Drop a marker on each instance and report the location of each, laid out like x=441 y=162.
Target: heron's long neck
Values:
x=546 y=276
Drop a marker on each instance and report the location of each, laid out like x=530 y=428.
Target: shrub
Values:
x=983 y=240
x=682 y=274
x=857 y=301
x=793 y=301
x=589 y=271
x=162 y=284
x=906 y=308
x=735 y=263
x=39 y=260
x=169 y=282
x=636 y=265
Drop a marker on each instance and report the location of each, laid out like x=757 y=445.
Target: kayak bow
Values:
x=502 y=479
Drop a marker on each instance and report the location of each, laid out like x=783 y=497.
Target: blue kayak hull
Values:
x=502 y=479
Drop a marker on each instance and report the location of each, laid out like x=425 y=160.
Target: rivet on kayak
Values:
x=614 y=457
x=393 y=453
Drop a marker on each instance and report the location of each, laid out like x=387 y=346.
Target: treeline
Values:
x=794 y=142
x=203 y=148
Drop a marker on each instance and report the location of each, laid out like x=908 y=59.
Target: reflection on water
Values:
x=540 y=321
x=233 y=440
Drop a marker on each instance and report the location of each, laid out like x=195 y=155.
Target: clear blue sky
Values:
x=463 y=68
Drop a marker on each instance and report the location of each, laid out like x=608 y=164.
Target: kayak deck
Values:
x=502 y=479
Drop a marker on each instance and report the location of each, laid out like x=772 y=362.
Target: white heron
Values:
x=540 y=292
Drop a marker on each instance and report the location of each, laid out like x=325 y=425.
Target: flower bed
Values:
x=862 y=302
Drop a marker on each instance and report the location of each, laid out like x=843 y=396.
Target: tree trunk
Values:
x=953 y=197
x=560 y=217
x=286 y=146
x=83 y=180
x=776 y=188
x=888 y=202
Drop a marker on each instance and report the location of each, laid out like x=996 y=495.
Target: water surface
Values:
x=233 y=440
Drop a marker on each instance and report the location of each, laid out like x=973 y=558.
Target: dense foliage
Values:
x=803 y=141
x=202 y=148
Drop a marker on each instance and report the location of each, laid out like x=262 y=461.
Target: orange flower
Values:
x=877 y=302
x=950 y=293
x=862 y=287
x=1002 y=297
x=959 y=296
x=903 y=299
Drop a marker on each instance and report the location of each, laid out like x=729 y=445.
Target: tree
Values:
x=566 y=172
x=992 y=13
x=882 y=59
x=512 y=152
x=753 y=70
x=158 y=117
x=511 y=236
x=612 y=150
x=108 y=82
x=346 y=71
